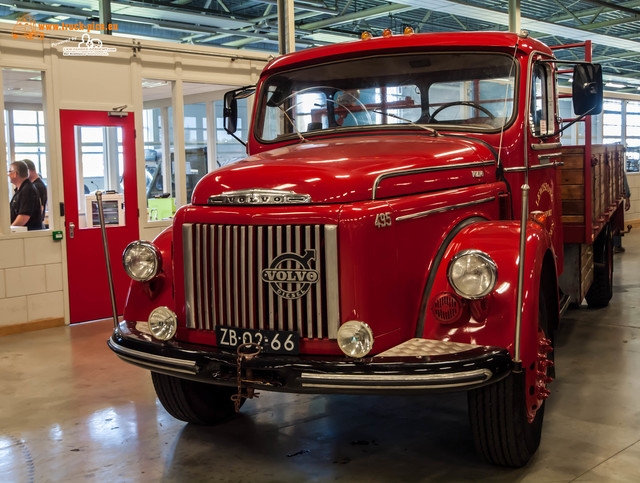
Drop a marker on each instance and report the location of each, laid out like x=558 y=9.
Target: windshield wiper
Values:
x=430 y=130
x=293 y=124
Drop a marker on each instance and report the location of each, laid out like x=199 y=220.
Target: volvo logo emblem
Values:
x=259 y=196
x=290 y=275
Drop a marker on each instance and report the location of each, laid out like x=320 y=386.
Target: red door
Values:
x=98 y=153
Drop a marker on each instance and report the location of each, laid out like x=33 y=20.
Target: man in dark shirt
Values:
x=36 y=181
x=25 y=204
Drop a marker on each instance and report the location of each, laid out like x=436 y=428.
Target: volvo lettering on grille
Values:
x=290 y=275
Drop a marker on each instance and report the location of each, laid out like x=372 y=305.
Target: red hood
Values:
x=345 y=169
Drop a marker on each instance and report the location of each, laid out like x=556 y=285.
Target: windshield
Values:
x=469 y=91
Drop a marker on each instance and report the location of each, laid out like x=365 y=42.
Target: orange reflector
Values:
x=539 y=217
x=408 y=30
x=387 y=33
x=366 y=35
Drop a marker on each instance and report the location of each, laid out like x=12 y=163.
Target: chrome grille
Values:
x=224 y=267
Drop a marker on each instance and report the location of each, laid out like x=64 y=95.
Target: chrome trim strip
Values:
x=409 y=172
x=187 y=261
x=289 y=248
x=298 y=244
x=212 y=279
x=227 y=250
x=413 y=381
x=444 y=208
x=280 y=320
x=549 y=155
x=542 y=147
x=308 y=297
x=243 y=277
x=150 y=365
x=318 y=286
x=152 y=357
x=251 y=277
x=270 y=303
x=261 y=284
x=521 y=169
x=333 y=284
x=234 y=280
x=220 y=271
x=198 y=281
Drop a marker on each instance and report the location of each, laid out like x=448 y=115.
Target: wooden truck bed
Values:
x=591 y=192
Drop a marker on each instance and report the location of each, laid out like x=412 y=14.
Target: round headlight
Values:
x=141 y=260
x=163 y=323
x=472 y=274
x=355 y=338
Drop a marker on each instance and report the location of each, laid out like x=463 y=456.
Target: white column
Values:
x=514 y=16
x=286 y=27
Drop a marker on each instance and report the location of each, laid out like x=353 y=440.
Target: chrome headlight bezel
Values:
x=456 y=270
x=154 y=258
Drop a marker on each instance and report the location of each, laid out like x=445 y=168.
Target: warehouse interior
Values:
x=155 y=97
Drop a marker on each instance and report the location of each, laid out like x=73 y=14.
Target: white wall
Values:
x=31 y=279
x=33 y=273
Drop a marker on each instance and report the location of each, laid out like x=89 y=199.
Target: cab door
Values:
x=98 y=153
x=545 y=153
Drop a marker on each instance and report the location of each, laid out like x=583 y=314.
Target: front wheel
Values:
x=506 y=417
x=193 y=402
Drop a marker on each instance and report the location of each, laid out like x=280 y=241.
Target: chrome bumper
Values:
x=404 y=369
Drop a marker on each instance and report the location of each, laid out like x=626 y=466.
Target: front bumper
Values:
x=417 y=366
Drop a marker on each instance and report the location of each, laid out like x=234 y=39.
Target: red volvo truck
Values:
x=406 y=221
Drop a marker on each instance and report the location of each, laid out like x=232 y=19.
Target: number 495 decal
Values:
x=383 y=219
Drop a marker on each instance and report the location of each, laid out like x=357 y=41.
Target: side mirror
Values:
x=230 y=113
x=587 y=89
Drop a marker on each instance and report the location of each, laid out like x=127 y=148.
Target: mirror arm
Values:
x=566 y=126
x=237 y=138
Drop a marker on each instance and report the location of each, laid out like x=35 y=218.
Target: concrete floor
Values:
x=70 y=411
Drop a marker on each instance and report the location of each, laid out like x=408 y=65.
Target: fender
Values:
x=143 y=297
x=491 y=321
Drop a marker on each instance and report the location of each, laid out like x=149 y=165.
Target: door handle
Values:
x=72 y=228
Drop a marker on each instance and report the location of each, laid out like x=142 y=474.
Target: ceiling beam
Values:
x=351 y=17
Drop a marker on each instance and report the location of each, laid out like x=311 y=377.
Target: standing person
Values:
x=36 y=181
x=25 y=204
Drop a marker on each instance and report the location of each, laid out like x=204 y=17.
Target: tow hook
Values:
x=245 y=352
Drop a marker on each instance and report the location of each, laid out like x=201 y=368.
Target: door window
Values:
x=99 y=166
x=25 y=125
x=541 y=113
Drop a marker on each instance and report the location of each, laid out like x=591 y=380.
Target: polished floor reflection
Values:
x=70 y=410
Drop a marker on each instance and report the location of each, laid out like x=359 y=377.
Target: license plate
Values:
x=270 y=341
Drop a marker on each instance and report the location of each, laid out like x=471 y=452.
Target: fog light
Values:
x=355 y=338
x=163 y=323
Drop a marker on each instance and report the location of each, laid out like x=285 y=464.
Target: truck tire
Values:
x=193 y=402
x=601 y=290
x=500 y=422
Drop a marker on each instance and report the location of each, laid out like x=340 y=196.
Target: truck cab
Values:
x=397 y=227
